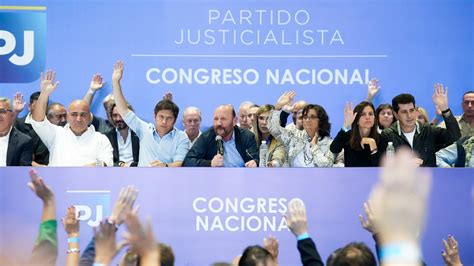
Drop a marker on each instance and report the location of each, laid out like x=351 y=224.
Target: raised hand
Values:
x=38 y=186
x=96 y=82
x=349 y=115
x=451 y=252
x=440 y=97
x=168 y=96
x=399 y=198
x=124 y=204
x=118 y=71
x=18 y=103
x=296 y=217
x=105 y=243
x=285 y=98
x=271 y=244
x=48 y=84
x=372 y=89
x=70 y=221
x=368 y=224
x=141 y=239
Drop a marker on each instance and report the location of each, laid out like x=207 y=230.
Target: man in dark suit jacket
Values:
x=40 y=151
x=19 y=151
x=122 y=132
x=239 y=145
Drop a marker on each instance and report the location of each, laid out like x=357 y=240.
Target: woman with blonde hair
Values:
x=276 y=156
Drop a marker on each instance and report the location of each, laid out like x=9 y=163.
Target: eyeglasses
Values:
x=310 y=117
x=4 y=111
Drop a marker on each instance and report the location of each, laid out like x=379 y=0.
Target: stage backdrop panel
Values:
x=213 y=52
x=210 y=215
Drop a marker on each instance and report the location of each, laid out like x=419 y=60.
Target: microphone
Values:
x=220 y=145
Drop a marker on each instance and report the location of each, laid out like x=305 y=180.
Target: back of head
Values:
x=255 y=256
x=353 y=254
x=403 y=98
x=166 y=255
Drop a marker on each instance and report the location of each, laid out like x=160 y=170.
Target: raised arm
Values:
x=373 y=88
x=18 y=104
x=71 y=226
x=142 y=240
x=121 y=103
x=48 y=86
x=452 y=132
x=298 y=224
x=96 y=84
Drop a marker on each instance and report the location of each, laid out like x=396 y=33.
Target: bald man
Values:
x=239 y=146
x=75 y=144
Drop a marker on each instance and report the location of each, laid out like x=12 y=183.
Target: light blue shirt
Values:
x=170 y=148
x=232 y=156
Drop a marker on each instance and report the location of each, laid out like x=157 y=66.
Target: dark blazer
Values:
x=309 y=253
x=205 y=148
x=40 y=151
x=428 y=139
x=112 y=136
x=20 y=149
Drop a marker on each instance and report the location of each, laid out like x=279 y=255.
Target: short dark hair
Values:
x=167 y=105
x=403 y=98
x=353 y=254
x=324 y=125
x=255 y=255
x=467 y=92
x=379 y=109
x=113 y=105
x=34 y=96
x=166 y=255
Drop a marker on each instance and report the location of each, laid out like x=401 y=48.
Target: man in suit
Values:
x=125 y=142
x=239 y=148
x=16 y=148
x=23 y=124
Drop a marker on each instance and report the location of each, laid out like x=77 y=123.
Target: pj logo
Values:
x=22 y=46
x=92 y=206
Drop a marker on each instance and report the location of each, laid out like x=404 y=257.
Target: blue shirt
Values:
x=170 y=148
x=232 y=156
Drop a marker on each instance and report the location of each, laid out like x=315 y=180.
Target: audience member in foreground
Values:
x=237 y=146
x=16 y=148
x=359 y=137
x=71 y=226
x=450 y=253
x=399 y=203
x=45 y=251
x=308 y=147
x=77 y=143
x=424 y=139
x=161 y=144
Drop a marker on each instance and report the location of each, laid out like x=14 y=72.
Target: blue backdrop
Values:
x=230 y=51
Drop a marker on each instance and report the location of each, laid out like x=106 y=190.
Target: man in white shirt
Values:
x=77 y=143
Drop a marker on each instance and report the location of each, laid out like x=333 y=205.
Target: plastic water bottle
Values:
x=390 y=150
x=263 y=154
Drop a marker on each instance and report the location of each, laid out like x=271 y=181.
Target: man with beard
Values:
x=125 y=142
x=57 y=114
x=237 y=146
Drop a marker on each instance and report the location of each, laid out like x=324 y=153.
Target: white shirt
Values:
x=67 y=149
x=4 y=148
x=191 y=143
x=125 y=150
x=410 y=136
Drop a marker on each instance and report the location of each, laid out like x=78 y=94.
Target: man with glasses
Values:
x=424 y=139
x=161 y=144
x=75 y=144
x=16 y=148
x=466 y=120
x=192 y=124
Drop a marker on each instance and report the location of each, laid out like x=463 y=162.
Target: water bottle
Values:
x=390 y=150
x=263 y=154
